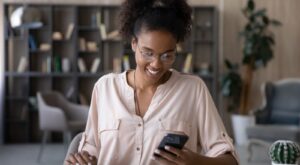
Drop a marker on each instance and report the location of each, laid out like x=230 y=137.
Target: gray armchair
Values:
x=279 y=117
x=58 y=114
x=282 y=105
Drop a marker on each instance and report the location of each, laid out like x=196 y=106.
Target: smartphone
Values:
x=174 y=140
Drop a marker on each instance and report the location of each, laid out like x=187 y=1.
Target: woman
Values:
x=131 y=112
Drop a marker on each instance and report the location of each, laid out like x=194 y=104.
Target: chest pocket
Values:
x=108 y=131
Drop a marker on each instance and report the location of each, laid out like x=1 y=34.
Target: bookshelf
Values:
x=62 y=55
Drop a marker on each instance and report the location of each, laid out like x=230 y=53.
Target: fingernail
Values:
x=167 y=147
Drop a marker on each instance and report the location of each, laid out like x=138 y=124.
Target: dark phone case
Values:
x=174 y=140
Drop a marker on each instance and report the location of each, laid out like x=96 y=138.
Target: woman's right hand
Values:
x=81 y=158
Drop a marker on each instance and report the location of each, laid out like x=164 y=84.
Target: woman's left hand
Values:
x=180 y=157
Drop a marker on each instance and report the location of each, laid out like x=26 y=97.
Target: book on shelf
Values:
x=95 y=65
x=23 y=64
x=48 y=61
x=101 y=26
x=57 y=64
x=187 y=63
x=103 y=32
x=69 y=31
x=81 y=65
x=82 y=44
x=32 y=43
x=126 y=64
x=66 y=65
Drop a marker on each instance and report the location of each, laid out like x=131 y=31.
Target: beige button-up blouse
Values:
x=116 y=135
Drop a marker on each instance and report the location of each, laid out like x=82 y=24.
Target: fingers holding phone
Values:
x=170 y=147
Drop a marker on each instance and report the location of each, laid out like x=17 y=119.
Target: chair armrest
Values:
x=48 y=114
x=77 y=112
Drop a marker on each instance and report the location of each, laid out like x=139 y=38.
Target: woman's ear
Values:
x=133 y=44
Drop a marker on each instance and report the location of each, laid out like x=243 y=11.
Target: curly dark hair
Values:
x=173 y=16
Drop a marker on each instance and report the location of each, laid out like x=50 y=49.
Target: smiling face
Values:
x=154 y=54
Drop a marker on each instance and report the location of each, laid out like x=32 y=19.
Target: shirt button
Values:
x=137 y=148
x=139 y=125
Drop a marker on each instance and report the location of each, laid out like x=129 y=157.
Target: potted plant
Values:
x=257 y=52
x=284 y=152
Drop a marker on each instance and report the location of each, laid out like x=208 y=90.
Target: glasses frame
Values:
x=153 y=56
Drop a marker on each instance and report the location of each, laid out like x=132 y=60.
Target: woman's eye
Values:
x=149 y=54
x=166 y=56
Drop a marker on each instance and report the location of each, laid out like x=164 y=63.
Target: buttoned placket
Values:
x=139 y=136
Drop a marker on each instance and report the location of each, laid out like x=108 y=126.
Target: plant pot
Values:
x=239 y=125
x=282 y=164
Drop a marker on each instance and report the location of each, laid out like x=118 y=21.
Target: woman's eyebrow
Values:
x=149 y=49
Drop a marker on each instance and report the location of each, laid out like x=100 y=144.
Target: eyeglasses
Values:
x=166 y=58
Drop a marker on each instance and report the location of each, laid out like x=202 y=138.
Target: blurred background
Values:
x=52 y=52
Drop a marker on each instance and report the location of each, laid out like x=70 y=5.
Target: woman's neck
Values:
x=139 y=84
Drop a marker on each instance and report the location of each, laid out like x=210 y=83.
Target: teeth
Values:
x=152 y=72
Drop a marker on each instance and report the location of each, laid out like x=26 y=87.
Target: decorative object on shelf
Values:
x=187 y=63
x=66 y=66
x=91 y=46
x=57 y=36
x=284 y=152
x=45 y=47
x=26 y=17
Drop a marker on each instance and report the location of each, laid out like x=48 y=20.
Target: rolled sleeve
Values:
x=213 y=136
x=222 y=145
x=89 y=141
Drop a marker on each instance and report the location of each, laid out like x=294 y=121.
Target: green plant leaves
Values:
x=250 y=5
